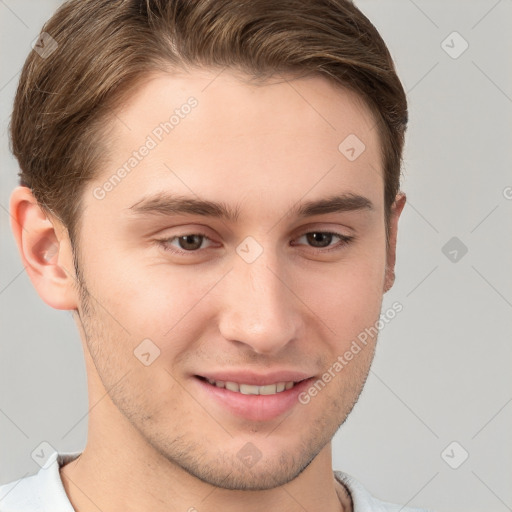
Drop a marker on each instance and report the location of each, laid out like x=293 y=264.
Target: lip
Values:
x=257 y=379
x=253 y=407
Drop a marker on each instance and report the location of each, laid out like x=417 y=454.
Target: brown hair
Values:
x=107 y=47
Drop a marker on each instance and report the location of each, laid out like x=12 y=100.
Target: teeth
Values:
x=250 y=389
x=269 y=389
x=247 y=389
x=232 y=386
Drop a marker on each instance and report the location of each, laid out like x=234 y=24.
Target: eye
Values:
x=188 y=243
x=323 y=239
x=191 y=243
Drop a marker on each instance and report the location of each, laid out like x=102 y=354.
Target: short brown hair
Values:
x=107 y=47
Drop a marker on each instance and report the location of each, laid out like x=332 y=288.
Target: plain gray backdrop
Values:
x=440 y=386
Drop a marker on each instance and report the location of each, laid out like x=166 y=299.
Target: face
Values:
x=266 y=281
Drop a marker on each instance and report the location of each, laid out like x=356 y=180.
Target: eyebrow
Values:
x=169 y=204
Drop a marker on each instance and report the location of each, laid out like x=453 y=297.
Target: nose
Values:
x=259 y=308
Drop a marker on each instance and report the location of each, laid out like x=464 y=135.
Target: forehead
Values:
x=266 y=143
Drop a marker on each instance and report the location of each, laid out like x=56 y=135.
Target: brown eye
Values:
x=319 y=239
x=322 y=240
x=190 y=242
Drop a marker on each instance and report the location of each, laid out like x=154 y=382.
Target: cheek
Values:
x=158 y=302
x=349 y=297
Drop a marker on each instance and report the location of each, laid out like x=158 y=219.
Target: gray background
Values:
x=442 y=370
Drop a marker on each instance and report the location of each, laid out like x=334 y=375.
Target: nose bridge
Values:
x=258 y=309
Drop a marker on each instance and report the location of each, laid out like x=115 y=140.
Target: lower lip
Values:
x=255 y=407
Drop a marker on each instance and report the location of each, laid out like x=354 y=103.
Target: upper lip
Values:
x=256 y=379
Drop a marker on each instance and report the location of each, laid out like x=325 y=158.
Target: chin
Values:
x=248 y=468
x=242 y=478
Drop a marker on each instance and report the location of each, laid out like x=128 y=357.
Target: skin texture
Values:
x=156 y=442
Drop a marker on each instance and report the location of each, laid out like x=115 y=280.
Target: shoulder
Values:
x=363 y=501
x=42 y=492
x=20 y=495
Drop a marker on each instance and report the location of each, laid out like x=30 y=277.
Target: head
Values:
x=179 y=163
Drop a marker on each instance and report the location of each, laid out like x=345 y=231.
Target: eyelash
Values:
x=164 y=242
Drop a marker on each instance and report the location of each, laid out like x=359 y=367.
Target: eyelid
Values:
x=325 y=227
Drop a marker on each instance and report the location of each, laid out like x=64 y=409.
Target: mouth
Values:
x=251 y=389
x=249 y=401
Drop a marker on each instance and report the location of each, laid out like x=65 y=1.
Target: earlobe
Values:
x=45 y=250
x=396 y=210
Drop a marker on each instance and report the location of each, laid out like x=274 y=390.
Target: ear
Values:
x=396 y=210
x=45 y=250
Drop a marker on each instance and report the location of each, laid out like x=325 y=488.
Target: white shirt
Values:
x=44 y=491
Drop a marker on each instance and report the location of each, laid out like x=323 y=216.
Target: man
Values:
x=213 y=189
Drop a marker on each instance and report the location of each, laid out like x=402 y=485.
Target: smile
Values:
x=250 y=389
x=251 y=401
